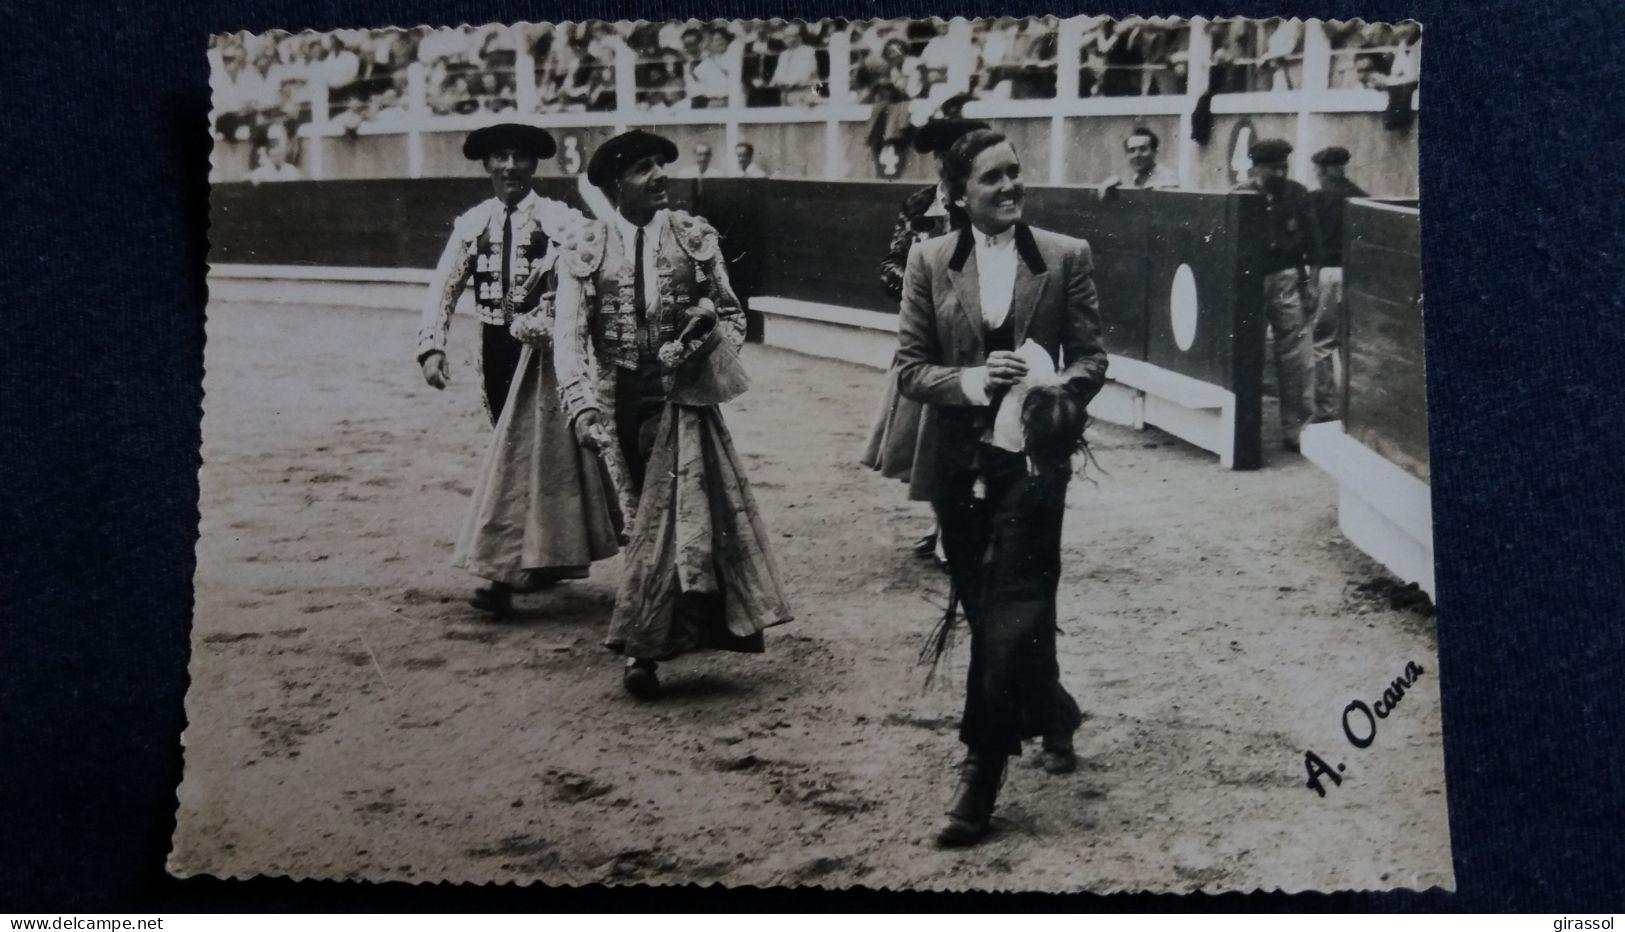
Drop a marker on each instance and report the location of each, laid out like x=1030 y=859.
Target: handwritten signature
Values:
x=1360 y=727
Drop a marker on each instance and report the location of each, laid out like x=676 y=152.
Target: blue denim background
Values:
x=105 y=204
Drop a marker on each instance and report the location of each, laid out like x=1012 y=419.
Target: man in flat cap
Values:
x=925 y=214
x=647 y=335
x=1289 y=267
x=1334 y=190
x=516 y=536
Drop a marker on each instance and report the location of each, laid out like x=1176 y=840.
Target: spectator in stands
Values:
x=333 y=64
x=267 y=78
x=1281 y=64
x=756 y=54
x=237 y=93
x=703 y=166
x=1289 y=268
x=1407 y=62
x=795 y=75
x=1124 y=59
x=1332 y=193
x=1370 y=71
x=1165 y=50
x=557 y=67
x=1095 y=37
x=711 y=82
x=1033 y=50
x=273 y=163
x=745 y=153
x=387 y=108
x=994 y=41
x=936 y=58
x=903 y=71
x=1141 y=146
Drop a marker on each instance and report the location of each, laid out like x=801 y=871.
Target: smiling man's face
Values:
x=511 y=171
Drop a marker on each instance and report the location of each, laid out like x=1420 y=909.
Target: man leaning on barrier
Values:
x=1290 y=264
x=1331 y=164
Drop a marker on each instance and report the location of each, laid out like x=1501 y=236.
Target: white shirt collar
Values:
x=999 y=241
x=629 y=230
x=527 y=205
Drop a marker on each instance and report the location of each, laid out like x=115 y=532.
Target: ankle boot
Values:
x=971 y=816
x=1058 y=756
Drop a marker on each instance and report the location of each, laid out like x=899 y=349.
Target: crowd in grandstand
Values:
x=267 y=85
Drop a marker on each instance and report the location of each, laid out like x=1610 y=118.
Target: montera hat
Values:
x=1270 y=150
x=1331 y=155
x=630 y=147
x=939 y=135
x=531 y=140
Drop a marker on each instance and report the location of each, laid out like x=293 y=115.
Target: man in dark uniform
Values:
x=1290 y=266
x=925 y=214
x=977 y=307
x=495 y=243
x=1334 y=191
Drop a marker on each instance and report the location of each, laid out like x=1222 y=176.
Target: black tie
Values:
x=507 y=246
x=637 y=277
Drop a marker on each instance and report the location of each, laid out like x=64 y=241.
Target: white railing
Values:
x=1314 y=95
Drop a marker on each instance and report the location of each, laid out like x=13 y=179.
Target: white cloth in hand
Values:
x=1007 y=431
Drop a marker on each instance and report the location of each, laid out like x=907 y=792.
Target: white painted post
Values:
x=524 y=72
x=1198 y=72
x=736 y=73
x=417 y=96
x=1068 y=58
x=1317 y=75
x=840 y=67
x=315 y=162
x=959 y=67
x=840 y=87
x=736 y=101
x=626 y=83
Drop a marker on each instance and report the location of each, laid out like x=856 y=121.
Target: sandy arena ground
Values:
x=352 y=717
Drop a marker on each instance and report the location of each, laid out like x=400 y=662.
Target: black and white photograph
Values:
x=911 y=454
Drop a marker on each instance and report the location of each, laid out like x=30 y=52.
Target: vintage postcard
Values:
x=920 y=454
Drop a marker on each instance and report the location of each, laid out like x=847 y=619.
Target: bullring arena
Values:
x=1223 y=602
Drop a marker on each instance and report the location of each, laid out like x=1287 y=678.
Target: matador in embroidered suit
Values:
x=648 y=331
x=540 y=511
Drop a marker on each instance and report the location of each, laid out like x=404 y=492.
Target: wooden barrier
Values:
x=1378 y=452
x=1180 y=308
x=1385 y=395
x=1181 y=311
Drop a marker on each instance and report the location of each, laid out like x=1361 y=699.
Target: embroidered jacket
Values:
x=475 y=253
x=919 y=220
x=597 y=324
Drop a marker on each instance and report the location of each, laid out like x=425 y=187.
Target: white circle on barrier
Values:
x=1182 y=307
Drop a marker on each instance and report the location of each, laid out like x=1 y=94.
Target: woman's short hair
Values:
x=956 y=164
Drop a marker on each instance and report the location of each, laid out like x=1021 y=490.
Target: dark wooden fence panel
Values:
x=1385 y=394
x=390 y=223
